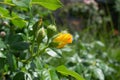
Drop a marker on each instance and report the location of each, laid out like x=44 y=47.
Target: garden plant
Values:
x=33 y=48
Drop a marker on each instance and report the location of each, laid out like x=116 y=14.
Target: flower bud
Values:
x=62 y=39
x=5 y=23
x=37 y=26
x=40 y=35
x=2 y=34
x=51 y=30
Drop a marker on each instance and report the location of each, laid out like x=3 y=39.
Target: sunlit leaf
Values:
x=4 y=12
x=99 y=74
x=49 y=74
x=18 y=22
x=2 y=55
x=63 y=70
x=50 y=4
x=99 y=43
x=7 y=1
x=2 y=45
x=22 y=3
x=51 y=52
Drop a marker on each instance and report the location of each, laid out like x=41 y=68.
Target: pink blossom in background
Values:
x=89 y=1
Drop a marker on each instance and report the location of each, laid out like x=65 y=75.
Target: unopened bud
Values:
x=40 y=22
x=2 y=34
x=51 y=30
x=37 y=26
x=40 y=35
x=5 y=23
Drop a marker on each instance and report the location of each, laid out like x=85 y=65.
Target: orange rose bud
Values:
x=62 y=39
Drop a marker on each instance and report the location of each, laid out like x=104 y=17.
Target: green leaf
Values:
x=38 y=63
x=22 y=76
x=16 y=42
x=53 y=74
x=15 y=38
x=19 y=76
x=99 y=43
x=2 y=55
x=20 y=46
x=2 y=45
x=63 y=70
x=4 y=12
x=51 y=52
x=98 y=73
x=49 y=74
x=2 y=63
x=18 y=22
x=22 y=3
x=49 y=4
x=11 y=62
x=8 y=1
x=15 y=15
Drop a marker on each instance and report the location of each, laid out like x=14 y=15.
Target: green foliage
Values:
x=4 y=12
x=117 y=2
x=63 y=70
x=22 y=3
x=27 y=50
x=22 y=76
x=2 y=45
x=20 y=23
x=49 y=74
x=8 y=1
x=2 y=55
x=50 y=4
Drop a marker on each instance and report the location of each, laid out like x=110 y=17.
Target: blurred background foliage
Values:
x=94 y=53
